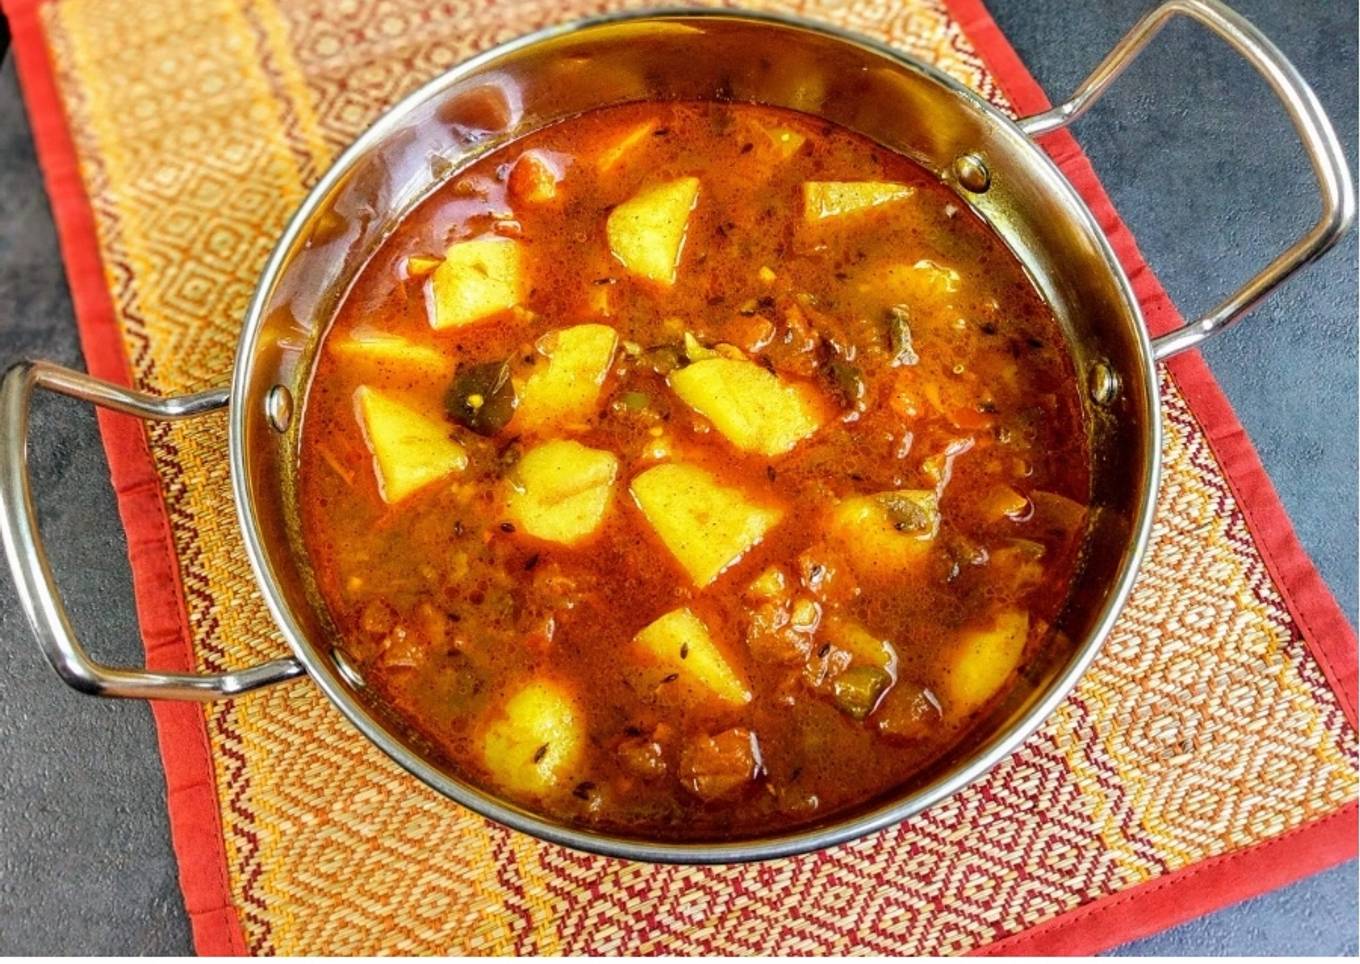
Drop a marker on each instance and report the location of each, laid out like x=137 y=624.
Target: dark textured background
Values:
x=1198 y=159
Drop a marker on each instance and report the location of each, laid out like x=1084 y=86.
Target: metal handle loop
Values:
x=28 y=561
x=1313 y=127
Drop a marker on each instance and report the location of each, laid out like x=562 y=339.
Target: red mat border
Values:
x=182 y=730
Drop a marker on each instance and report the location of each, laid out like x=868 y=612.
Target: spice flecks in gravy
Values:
x=693 y=470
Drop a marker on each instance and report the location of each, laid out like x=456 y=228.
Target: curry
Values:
x=693 y=470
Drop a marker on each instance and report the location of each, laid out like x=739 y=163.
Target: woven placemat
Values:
x=1209 y=753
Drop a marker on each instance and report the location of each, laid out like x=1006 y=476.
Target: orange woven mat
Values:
x=1212 y=739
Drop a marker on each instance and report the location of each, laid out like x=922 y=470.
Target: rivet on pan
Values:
x=278 y=407
x=972 y=173
x=347 y=670
x=1103 y=383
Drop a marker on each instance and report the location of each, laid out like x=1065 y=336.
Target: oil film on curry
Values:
x=693 y=469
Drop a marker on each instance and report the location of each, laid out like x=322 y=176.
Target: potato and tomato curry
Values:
x=692 y=470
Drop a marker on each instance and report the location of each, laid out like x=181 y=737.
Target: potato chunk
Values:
x=865 y=648
x=533 y=179
x=535 y=742
x=566 y=388
x=706 y=526
x=380 y=349
x=984 y=660
x=679 y=641
x=888 y=531
x=833 y=199
x=909 y=713
x=752 y=408
x=718 y=766
x=560 y=490
x=647 y=232
x=476 y=280
x=410 y=449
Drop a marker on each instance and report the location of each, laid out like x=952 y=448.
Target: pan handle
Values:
x=27 y=558
x=1313 y=127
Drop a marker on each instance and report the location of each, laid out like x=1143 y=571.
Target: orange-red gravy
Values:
x=447 y=609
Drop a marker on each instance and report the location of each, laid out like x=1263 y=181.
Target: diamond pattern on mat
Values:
x=1205 y=725
x=971 y=865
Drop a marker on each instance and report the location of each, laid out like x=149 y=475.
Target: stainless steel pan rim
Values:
x=51 y=625
x=523 y=820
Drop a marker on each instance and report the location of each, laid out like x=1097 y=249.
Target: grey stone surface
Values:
x=85 y=859
x=1199 y=162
